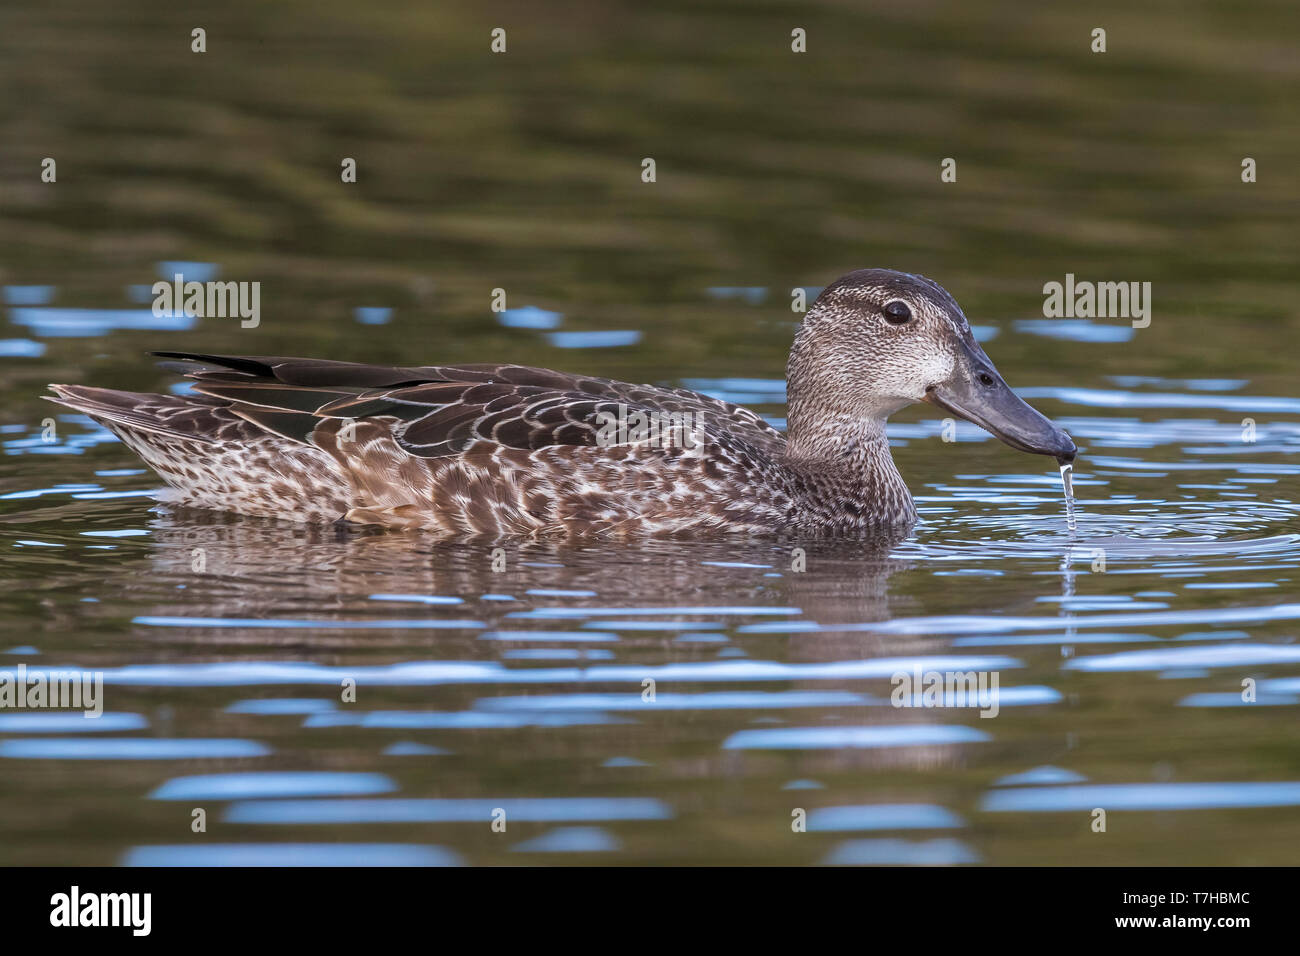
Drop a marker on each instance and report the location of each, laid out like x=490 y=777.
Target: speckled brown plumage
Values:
x=507 y=450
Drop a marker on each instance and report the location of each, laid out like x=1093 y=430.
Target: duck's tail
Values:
x=214 y=459
x=126 y=413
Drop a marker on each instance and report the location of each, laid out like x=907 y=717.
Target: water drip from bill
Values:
x=1067 y=472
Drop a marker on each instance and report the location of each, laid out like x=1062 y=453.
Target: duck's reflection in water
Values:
x=689 y=613
x=243 y=568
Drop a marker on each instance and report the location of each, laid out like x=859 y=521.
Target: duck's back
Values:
x=478 y=449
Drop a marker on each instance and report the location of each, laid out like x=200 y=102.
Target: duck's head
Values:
x=877 y=340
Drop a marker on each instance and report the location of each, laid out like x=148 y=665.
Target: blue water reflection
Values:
x=571 y=840
x=726 y=700
x=1144 y=796
x=282 y=705
x=1038 y=776
x=53 y=722
x=131 y=748
x=522 y=809
x=883 y=816
x=940 y=852
x=823 y=738
x=291 y=854
x=246 y=786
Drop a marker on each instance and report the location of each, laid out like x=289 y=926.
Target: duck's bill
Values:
x=984 y=399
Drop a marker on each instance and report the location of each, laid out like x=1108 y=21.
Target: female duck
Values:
x=504 y=449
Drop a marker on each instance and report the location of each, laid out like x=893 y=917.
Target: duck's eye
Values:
x=897 y=312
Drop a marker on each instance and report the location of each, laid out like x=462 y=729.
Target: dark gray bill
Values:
x=977 y=393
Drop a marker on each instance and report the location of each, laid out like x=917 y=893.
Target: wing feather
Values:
x=438 y=411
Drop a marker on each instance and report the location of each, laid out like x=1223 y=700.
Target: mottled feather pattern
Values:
x=498 y=450
x=479 y=456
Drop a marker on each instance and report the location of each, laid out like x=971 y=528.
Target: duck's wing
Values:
x=439 y=411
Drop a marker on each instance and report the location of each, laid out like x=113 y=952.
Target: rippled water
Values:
x=1120 y=648
x=519 y=680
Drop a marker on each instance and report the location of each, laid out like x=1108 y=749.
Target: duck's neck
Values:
x=847 y=466
x=821 y=434
x=835 y=436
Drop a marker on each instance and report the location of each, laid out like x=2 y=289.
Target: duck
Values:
x=501 y=450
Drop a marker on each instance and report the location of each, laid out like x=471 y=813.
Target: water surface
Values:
x=230 y=648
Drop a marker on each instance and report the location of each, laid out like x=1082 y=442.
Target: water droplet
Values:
x=1067 y=470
